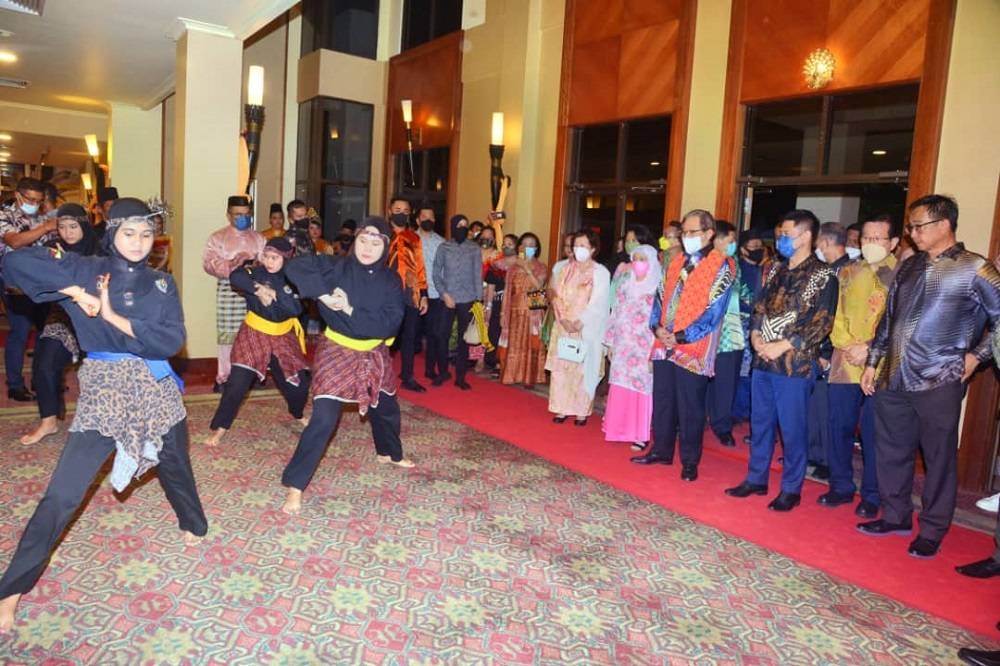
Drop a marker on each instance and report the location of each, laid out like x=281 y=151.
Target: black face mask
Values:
x=427 y=225
x=460 y=234
x=756 y=256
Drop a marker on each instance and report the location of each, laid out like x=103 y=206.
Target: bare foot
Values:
x=47 y=426
x=216 y=437
x=403 y=462
x=191 y=539
x=298 y=425
x=383 y=460
x=8 y=607
x=293 y=502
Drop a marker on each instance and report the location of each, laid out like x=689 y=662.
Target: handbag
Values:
x=570 y=349
x=471 y=335
x=538 y=299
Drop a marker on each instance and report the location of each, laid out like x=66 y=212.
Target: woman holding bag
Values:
x=521 y=355
x=576 y=354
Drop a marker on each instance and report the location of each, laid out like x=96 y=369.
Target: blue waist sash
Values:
x=158 y=368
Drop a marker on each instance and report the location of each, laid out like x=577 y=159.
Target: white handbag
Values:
x=570 y=349
x=471 y=335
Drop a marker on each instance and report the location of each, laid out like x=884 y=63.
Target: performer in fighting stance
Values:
x=361 y=300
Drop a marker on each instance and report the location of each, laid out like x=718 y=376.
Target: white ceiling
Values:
x=83 y=54
x=27 y=148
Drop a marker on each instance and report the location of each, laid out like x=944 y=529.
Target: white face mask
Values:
x=853 y=253
x=691 y=245
x=581 y=253
x=873 y=252
x=819 y=255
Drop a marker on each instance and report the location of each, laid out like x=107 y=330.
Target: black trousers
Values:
x=81 y=459
x=240 y=381
x=435 y=328
x=678 y=404
x=493 y=331
x=462 y=311
x=386 y=425
x=722 y=391
x=927 y=420
x=408 y=340
x=819 y=421
x=47 y=368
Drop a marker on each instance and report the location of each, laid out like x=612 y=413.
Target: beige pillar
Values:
x=206 y=140
x=134 y=149
x=708 y=87
x=291 y=112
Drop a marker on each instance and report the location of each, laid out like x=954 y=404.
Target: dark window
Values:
x=618 y=179
x=427 y=184
x=426 y=20
x=872 y=132
x=348 y=26
x=334 y=159
x=784 y=138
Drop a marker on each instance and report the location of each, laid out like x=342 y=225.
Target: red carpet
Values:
x=813 y=535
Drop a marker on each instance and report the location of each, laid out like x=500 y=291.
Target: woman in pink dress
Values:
x=629 y=409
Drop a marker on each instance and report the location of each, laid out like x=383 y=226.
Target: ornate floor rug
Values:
x=482 y=554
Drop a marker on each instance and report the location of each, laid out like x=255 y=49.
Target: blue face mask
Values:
x=786 y=246
x=29 y=208
x=530 y=252
x=242 y=222
x=731 y=249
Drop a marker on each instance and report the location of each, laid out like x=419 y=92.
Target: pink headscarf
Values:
x=634 y=288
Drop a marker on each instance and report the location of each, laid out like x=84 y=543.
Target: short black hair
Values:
x=538 y=243
x=724 y=228
x=803 y=219
x=835 y=231
x=884 y=218
x=400 y=197
x=296 y=203
x=51 y=192
x=29 y=184
x=476 y=223
x=642 y=235
x=592 y=238
x=939 y=206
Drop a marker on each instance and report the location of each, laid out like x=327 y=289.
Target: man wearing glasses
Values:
x=928 y=343
x=864 y=288
x=21 y=226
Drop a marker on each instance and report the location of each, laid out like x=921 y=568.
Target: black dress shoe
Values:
x=727 y=440
x=982 y=569
x=821 y=472
x=652 y=459
x=21 y=394
x=866 y=509
x=580 y=422
x=412 y=385
x=441 y=379
x=464 y=385
x=832 y=499
x=979 y=657
x=559 y=419
x=924 y=548
x=882 y=528
x=785 y=502
x=746 y=490
x=689 y=473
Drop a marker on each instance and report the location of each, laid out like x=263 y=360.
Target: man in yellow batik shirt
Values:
x=864 y=288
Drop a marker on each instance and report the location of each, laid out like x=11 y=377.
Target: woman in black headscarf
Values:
x=128 y=321
x=57 y=347
x=362 y=302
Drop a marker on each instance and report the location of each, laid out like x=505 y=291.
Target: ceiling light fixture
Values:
x=33 y=7
x=8 y=82
x=5 y=137
x=879 y=152
x=654 y=164
x=4 y=154
x=8 y=56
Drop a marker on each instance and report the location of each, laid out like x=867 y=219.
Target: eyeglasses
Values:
x=32 y=199
x=692 y=233
x=911 y=228
x=874 y=239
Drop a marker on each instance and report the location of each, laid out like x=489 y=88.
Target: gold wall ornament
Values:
x=818 y=68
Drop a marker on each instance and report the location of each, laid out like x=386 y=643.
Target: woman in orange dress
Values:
x=522 y=357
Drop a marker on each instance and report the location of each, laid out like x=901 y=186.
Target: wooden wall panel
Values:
x=430 y=75
x=779 y=34
x=647 y=71
x=594 y=82
x=644 y=13
x=596 y=21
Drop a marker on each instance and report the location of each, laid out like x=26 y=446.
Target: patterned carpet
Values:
x=483 y=554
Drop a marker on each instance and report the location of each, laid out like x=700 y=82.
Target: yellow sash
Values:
x=258 y=323
x=355 y=344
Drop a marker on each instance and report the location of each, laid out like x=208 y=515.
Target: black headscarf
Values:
x=459 y=234
x=126 y=210
x=88 y=244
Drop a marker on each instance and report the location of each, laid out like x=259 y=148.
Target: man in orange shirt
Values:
x=406 y=256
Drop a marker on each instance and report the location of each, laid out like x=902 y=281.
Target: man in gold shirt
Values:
x=864 y=287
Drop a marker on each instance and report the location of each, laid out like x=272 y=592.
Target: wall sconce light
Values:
x=407 y=107
x=88 y=185
x=818 y=68
x=92 y=148
x=254 y=115
x=630 y=204
x=592 y=202
x=499 y=183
